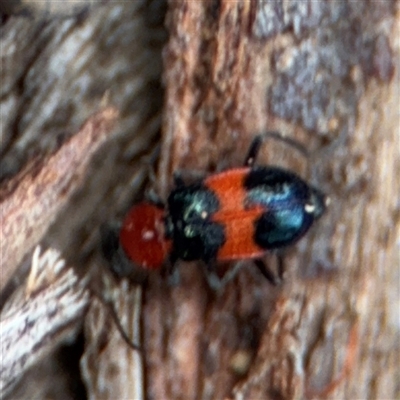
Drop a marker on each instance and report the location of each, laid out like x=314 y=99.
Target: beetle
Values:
x=240 y=213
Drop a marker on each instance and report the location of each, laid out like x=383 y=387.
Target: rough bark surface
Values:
x=327 y=75
x=323 y=73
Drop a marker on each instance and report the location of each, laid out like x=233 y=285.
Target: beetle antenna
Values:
x=289 y=141
x=259 y=139
x=110 y=307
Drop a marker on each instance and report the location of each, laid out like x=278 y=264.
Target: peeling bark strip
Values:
x=31 y=201
x=39 y=316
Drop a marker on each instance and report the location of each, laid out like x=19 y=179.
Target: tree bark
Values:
x=325 y=74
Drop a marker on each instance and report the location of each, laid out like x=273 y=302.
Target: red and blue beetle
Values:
x=240 y=213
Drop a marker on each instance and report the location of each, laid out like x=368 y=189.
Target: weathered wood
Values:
x=39 y=315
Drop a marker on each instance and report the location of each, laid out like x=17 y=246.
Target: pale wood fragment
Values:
x=40 y=314
x=31 y=201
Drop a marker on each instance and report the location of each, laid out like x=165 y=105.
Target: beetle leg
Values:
x=214 y=281
x=178 y=181
x=152 y=197
x=265 y=271
x=182 y=177
x=281 y=266
x=172 y=270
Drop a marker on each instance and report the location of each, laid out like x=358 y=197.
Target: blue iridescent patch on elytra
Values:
x=291 y=206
